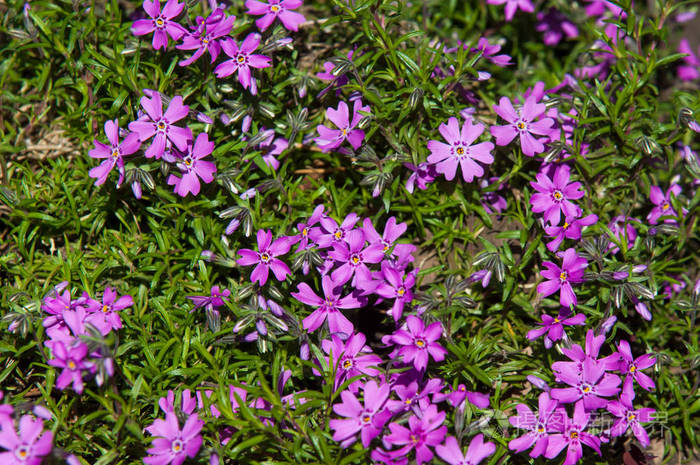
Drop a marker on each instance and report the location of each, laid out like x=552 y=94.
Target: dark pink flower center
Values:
x=557 y=196
x=162 y=125
x=520 y=124
x=420 y=343
x=563 y=276
x=22 y=452
x=160 y=22
x=265 y=257
x=355 y=259
x=242 y=58
x=176 y=446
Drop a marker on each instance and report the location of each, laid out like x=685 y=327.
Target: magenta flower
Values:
x=421 y=176
x=305 y=228
x=266 y=257
x=691 y=69
x=276 y=9
x=173 y=445
x=351 y=358
x=398 y=286
x=538 y=426
x=217 y=298
x=70 y=357
x=29 y=448
x=113 y=153
x=588 y=381
x=478 y=450
x=631 y=366
x=161 y=23
x=328 y=307
x=206 y=36
x=513 y=5
x=354 y=256
x=242 y=59
x=555 y=25
x=368 y=420
x=421 y=434
x=554 y=327
x=489 y=52
x=418 y=343
x=663 y=204
x=628 y=417
x=392 y=232
x=459 y=150
x=571 y=434
x=554 y=196
x=560 y=279
x=332 y=138
x=523 y=124
x=413 y=398
x=109 y=306
x=330 y=233
x=571 y=229
x=622 y=226
x=155 y=122
x=456 y=398
x=193 y=167
x=271 y=147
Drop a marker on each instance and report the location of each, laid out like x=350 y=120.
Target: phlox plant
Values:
x=305 y=231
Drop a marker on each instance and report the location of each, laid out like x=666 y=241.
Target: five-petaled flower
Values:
x=160 y=124
x=112 y=152
x=460 y=150
x=522 y=123
x=560 y=279
x=193 y=167
x=242 y=59
x=662 y=204
x=266 y=257
x=281 y=9
x=161 y=23
x=554 y=196
x=332 y=138
x=417 y=342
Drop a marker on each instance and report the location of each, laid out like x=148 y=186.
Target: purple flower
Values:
x=478 y=450
x=663 y=204
x=160 y=22
x=266 y=257
x=418 y=343
x=332 y=138
x=691 y=69
x=622 y=226
x=351 y=358
x=396 y=285
x=155 y=122
x=571 y=229
x=193 y=167
x=328 y=307
x=413 y=398
x=554 y=196
x=492 y=201
x=368 y=420
x=555 y=25
x=588 y=382
x=173 y=444
x=489 y=52
x=522 y=123
x=459 y=150
x=571 y=434
x=270 y=147
x=305 y=228
x=205 y=37
x=217 y=298
x=628 y=417
x=560 y=279
x=276 y=9
x=109 y=306
x=539 y=426
x=422 y=175
x=513 y=5
x=554 y=327
x=29 y=448
x=113 y=153
x=70 y=357
x=392 y=231
x=420 y=434
x=353 y=256
x=456 y=398
x=330 y=232
x=242 y=59
x=631 y=366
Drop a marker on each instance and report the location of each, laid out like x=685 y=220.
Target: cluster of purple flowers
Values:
x=28 y=443
x=593 y=382
x=69 y=321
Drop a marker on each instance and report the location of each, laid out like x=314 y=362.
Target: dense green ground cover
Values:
x=68 y=67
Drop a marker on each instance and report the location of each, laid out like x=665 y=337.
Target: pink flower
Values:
x=478 y=450
x=554 y=327
x=332 y=138
x=513 y=5
x=538 y=426
x=420 y=434
x=554 y=196
x=571 y=434
x=523 y=124
x=206 y=36
x=160 y=124
x=691 y=69
x=28 y=448
x=193 y=167
x=172 y=444
x=560 y=279
x=328 y=307
x=663 y=203
x=351 y=358
x=242 y=59
x=418 y=342
x=276 y=9
x=368 y=420
x=113 y=153
x=109 y=306
x=161 y=22
x=266 y=257
x=459 y=150
x=571 y=229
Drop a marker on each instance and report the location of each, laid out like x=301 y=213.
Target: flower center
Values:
x=115 y=153
x=274 y=8
x=241 y=58
x=540 y=429
x=563 y=276
x=72 y=365
x=176 y=445
x=159 y=22
x=631 y=417
x=366 y=418
x=328 y=303
x=460 y=150
x=633 y=368
x=566 y=225
x=265 y=257
x=345 y=132
x=338 y=234
x=355 y=259
x=305 y=232
x=188 y=161
x=586 y=389
x=400 y=291
x=22 y=452
x=557 y=196
x=105 y=309
x=557 y=320
x=414 y=439
x=420 y=343
x=521 y=125
x=573 y=435
x=161 y=125
x=666 y=206
x=347 y=364
x=205 y=41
